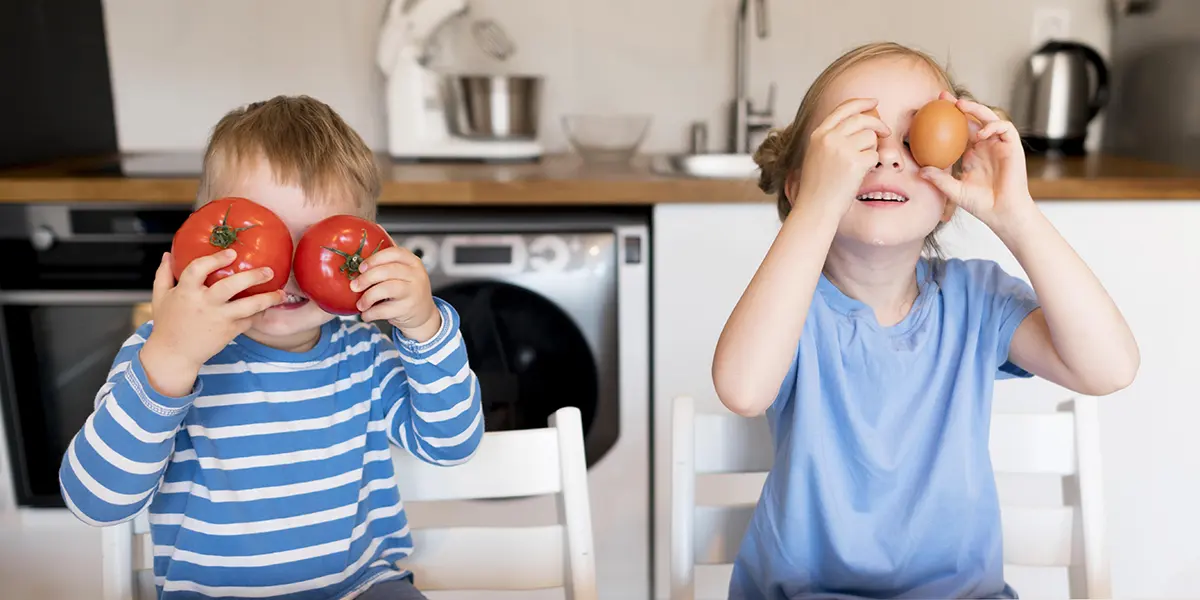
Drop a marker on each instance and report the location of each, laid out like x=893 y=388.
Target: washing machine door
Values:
x=530 y=357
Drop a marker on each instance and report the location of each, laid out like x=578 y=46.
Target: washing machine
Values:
x=555 y=311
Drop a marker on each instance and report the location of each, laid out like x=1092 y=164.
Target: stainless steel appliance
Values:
x=1155 y=109
x=555 y=311
x=74 y=277
x=1062 y=87
x=435 y=116
x=493 y=107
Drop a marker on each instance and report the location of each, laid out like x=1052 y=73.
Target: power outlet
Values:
x=1050 y=23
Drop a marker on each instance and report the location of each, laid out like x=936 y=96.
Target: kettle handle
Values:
x=1099 y=97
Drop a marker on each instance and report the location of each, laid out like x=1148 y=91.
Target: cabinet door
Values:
x=704 y=256
x=1147 y=256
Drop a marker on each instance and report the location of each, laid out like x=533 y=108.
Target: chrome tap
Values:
x=744 y=118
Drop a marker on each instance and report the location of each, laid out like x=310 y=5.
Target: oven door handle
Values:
x=73 y=297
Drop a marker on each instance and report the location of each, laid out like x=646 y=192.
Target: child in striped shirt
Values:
x=257 y=431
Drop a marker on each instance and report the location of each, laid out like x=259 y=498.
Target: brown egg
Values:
x=938 y=134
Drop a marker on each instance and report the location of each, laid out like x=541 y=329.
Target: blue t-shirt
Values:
x=882 y=485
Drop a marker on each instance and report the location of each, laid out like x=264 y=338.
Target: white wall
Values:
x=178 y=66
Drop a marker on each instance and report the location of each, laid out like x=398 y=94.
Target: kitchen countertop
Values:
x=560 y=180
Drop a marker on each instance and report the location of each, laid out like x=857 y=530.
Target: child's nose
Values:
x=891 y=157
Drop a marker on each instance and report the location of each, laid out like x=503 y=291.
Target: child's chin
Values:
x=288 y=322
x=886 y=233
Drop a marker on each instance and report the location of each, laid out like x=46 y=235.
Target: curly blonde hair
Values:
x=781 y=154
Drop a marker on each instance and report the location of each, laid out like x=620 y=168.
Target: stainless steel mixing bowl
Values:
x=492 y=107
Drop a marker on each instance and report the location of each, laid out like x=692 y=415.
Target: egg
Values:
x=938 y=134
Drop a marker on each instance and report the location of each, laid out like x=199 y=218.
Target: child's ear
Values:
x=791 y=186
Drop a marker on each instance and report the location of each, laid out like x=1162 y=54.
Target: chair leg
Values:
x=117 y=553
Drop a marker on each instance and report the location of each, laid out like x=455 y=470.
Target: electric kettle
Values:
x=1055 y=98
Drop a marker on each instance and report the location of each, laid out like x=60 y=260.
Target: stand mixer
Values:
x=450 y=117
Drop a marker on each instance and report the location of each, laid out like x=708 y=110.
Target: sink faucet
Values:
x=745 y=119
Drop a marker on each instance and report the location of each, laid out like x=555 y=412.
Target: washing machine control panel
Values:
x=509 y=254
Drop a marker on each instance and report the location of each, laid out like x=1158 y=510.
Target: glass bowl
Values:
x=612 y=138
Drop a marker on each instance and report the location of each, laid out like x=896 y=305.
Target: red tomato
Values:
x=328 y=256
x=257 y=234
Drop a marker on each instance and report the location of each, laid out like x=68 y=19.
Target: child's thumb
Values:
x=944 y=182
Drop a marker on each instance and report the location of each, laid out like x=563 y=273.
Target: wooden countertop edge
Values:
x=546 y=192
x=1132 y=188
x=464 y=192
x=565 y=180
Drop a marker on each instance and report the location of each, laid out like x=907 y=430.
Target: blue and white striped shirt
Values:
x=273 y=478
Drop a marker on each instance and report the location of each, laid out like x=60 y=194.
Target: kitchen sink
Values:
x=708 y=166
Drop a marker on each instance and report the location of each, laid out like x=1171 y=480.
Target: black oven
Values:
x=72 y=279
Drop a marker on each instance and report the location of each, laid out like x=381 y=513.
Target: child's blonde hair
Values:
x=782 y=152
x=305 y=142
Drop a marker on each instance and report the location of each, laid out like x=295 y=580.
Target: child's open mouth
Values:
x=293 y=301
x=888 y=197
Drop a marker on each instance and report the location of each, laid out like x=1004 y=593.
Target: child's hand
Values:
x=839 y=154
x=994 y=185
x=193 y=322
x=397 y=289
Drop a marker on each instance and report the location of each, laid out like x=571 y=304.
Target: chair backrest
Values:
x=508 y=464
x=706 y=536
x=519 y=463
x=126 y=555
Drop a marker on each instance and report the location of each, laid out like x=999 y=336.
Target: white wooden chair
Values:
x=127 y=560
x=720 y=447
x=507 y=464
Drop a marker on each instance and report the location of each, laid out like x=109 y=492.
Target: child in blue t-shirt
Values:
x=875 y=363
x=257 y=432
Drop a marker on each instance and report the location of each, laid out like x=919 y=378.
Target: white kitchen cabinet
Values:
x=704 y=255
x=1146 y=253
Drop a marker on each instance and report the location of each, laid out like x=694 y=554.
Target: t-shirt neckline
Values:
x=276 y=355
x=859 y=311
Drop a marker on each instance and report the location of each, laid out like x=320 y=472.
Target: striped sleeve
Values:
x=116 y=461
x=432 y=396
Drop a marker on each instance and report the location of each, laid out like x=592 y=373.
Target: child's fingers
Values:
x=164 y=280
x=379 y=274
x=864 y=140
x=383 y=311
x=944 y=182
x=977 y=110
x=244 y=308
x=195 y=273
x=388 y=309
x=384 y=256
x=845 y=110
x=398 y=254
x=1003 y=130
x=393 y=289
x=863 y=122
x=229 y=287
